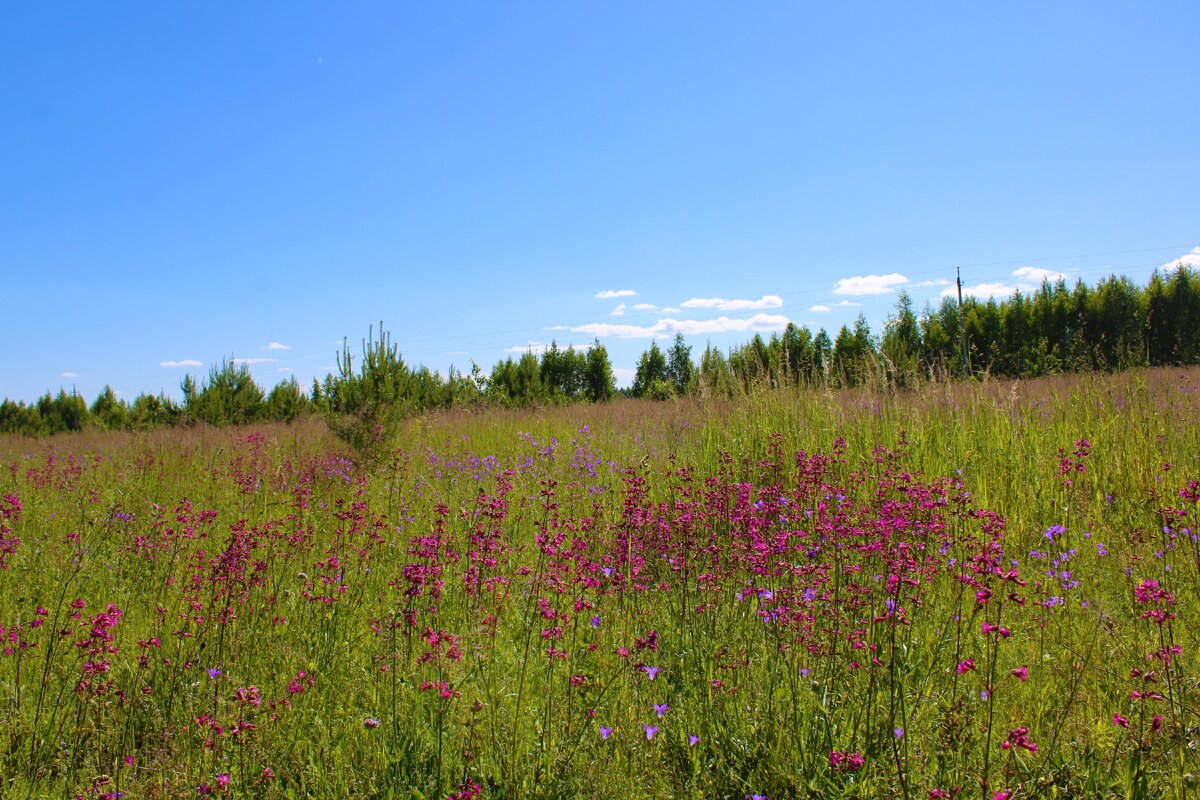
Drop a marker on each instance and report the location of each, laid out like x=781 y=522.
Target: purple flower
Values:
x=899 y=732
x=693 y=740
x=661 y=708
x=213 y=673
x=650 y=671
x=595 y=622
x=605 y=732
x=650 y=730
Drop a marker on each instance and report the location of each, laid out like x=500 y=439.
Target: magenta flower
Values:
x=965 y=665
x=1120 y=722
x=650 y=730
x=1021 y=672
x=661 y=708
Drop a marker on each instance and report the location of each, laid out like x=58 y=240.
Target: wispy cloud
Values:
x=689 y=327
x=187 y=362
x=644 y=306
x=537 y=348
x=252 y=361
x=985 y=290
x=555 y=328
x=721 y=304
x=847 y=304
x=671 y=310
x=935 y=282
x=277 y=346
x=870 y=284
x=68 y=375
x=820 y=307
x=610 y=294
x=619 y=311
x=1190 y=260
x=284 y=369
x=1038 y=274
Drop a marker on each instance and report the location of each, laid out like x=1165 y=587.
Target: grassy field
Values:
x=977 y=591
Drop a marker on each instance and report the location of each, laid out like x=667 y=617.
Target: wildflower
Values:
x=899 y=732
x=965 y=666
x=223 y=781
x=1120 y=722
x=693 y=740
x=605 y=732
x=1019 y=737
x=650 y=730
x=661 y=709
x=650 y=671
x=1021 y=672
x=595 y=622
x=370 y=722
x=213 y=673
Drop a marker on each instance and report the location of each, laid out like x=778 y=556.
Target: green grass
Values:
x=425 y=625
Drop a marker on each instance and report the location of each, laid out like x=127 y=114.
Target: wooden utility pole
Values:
x=962 y=326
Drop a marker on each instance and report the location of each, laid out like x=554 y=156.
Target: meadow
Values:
x=986 y=590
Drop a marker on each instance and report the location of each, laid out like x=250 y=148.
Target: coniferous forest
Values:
x=1113 y=325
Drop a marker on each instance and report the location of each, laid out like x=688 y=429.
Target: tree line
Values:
x=1113 y=325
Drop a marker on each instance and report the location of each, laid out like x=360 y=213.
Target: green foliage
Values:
x=110 y=413
x=364 y=407
x=598 y=374
x=229 y=396
x=286 y=401
x=652 y=375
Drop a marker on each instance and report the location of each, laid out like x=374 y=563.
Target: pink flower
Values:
x=965 y=665
x=1021 y=672
x=1120 y=722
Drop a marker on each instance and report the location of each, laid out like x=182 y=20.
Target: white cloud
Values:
x=985 y=290
x=689 y=327
x=69 y=375
x=721 y=304
x=1190 y=260
x=624 y=376
x=187 y=362
x=276 y=346
x=619 y=311
x=537 y=348
x=671 y=310
x=935 y=282
x=251 y=361
x=1038 y=274
x=555 y=328
x=870 y=284
x=284 y=369
x=820 y=307
x=847 y=304
x=644 y=306
x=609 y=294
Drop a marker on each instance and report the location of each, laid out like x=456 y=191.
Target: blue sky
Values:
x=183 y=183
